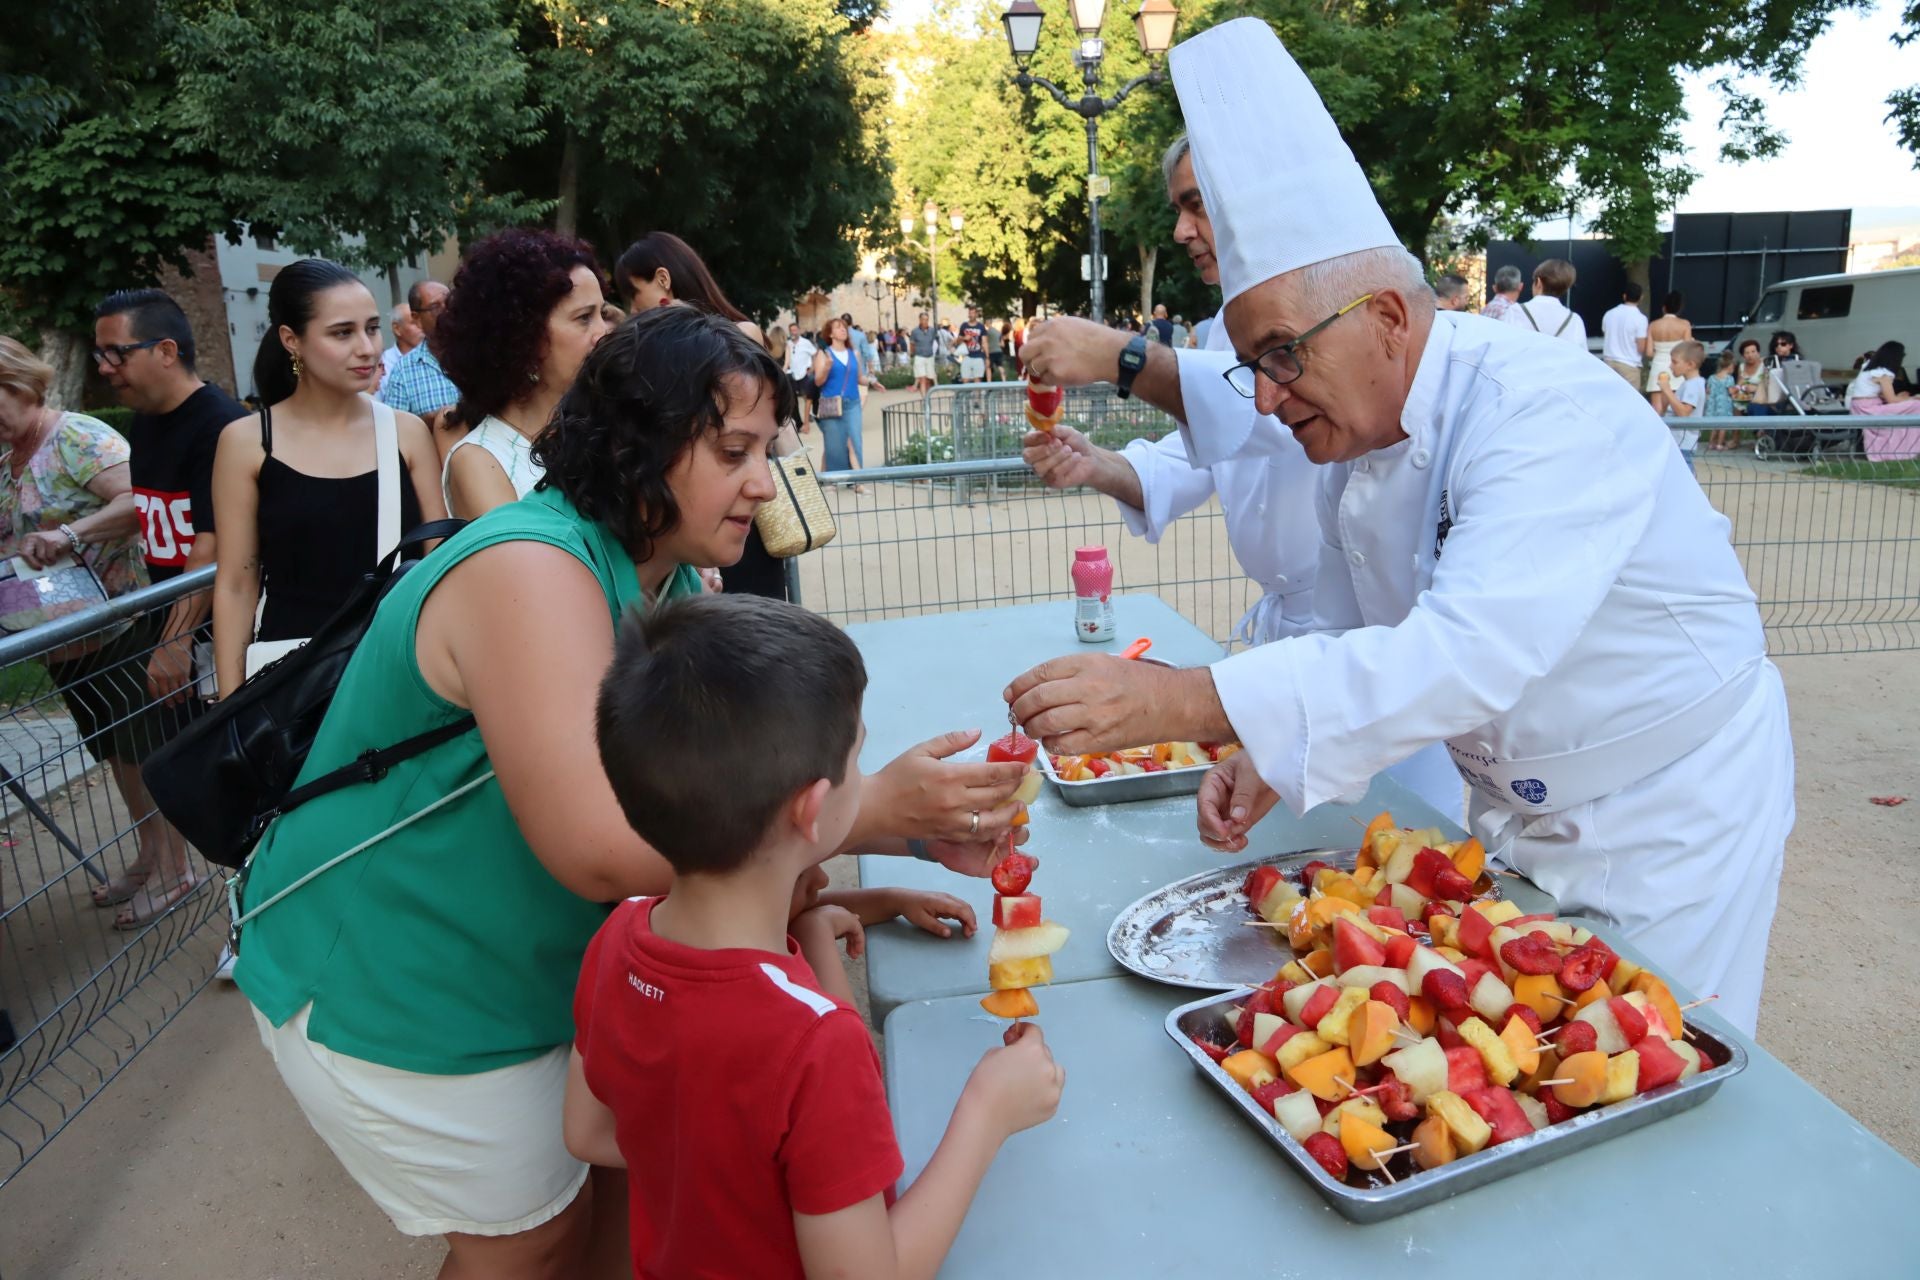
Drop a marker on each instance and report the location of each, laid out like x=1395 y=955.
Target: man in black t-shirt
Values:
x=144 y=348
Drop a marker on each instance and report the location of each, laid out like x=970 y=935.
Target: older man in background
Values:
x=406 y=336
x=1515 y=561
x=418 y=384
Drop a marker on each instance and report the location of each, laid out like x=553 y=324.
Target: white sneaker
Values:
x=224 y=970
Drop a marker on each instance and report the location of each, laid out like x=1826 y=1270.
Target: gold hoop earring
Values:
x=299 y=370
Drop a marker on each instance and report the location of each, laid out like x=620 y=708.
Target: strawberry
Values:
x=1396 y=1099
x=1308 y=872
x=1582 y=968
x=1576 y=1037
x=1014 y=873
x=1450 y=884
x=1391 y=996
x=1328 y=1153
x=1427 y=864
x=1556 y=1109
x=1529 y=953
x=1449 y=1036
x=1447 y=990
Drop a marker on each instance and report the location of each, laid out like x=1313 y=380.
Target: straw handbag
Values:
x=796 y=520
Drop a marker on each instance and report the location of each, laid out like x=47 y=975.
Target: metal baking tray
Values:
x=1375 y=1199
x=1134 y=786
x=1194 y=932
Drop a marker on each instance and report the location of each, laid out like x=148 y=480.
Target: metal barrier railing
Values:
x=987 y=419
x=1825 y=529
x=82 y=997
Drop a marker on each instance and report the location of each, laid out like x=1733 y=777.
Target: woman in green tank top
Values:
x=417 y=995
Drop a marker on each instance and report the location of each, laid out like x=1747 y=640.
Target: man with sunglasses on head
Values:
x=1267 y=501
x=1515 y=561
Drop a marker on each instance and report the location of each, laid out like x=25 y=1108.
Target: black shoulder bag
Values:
x=224 y=777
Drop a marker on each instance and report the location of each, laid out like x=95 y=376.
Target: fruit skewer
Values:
x=1021 y=956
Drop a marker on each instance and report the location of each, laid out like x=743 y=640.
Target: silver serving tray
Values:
x=1134 y=786
x=1194 y=932
x=1417 y=1188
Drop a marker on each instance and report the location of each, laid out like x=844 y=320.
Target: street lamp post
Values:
x=1155 y=21
x=876 y=289
x=931 y=213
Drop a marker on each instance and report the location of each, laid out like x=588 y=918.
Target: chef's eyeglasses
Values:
x=1282 y=363
x=115 y=354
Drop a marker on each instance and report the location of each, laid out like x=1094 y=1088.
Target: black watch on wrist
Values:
x=1132 y=361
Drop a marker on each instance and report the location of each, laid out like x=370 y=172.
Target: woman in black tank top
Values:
x=297 y=491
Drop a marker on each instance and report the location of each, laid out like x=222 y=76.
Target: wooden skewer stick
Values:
x=1380 y=1162
x=1263 y=924
x=1563 y=1000
x=1393 y=1151
x=1697 y=1003
x=1410 y=1036
x=1541 y=1084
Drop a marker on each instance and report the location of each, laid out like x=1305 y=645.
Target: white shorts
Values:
x=973 y=367
x=478 y=1154
x=923 y=367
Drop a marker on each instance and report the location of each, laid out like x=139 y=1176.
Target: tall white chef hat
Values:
x=1280 y=185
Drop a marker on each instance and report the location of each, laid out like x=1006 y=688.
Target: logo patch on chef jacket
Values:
x=1532 y=790
x=1445 y=526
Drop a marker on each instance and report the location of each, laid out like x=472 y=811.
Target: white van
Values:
x=1837 y=318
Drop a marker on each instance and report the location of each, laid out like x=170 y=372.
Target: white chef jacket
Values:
x=1533 y=577
x=1268 y=502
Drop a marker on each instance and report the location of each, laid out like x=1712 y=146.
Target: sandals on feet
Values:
x=149 y=904
x=118 y=889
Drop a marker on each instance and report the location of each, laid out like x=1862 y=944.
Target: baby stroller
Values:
x=1807 y=399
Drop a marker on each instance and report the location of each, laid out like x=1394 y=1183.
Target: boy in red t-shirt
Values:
x=745 y=1103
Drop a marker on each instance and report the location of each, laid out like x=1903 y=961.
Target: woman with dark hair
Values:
x=418 y=1003
x=524 y=311
x=297 y=506
x=662 y=270
x=1875 y=392
x=1663 y=335
x=837 y=371
x=1770 y=394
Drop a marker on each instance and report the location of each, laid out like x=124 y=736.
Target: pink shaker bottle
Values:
x=1093 y=595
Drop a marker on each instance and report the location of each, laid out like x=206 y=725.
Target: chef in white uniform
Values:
x=1267 y=500
x=1513 y=562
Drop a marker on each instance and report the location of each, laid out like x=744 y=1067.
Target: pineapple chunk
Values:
x=1009 y=975
x=1333 y=1027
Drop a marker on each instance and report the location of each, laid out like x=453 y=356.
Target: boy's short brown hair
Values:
x=1553 y=277
x=1694 y=353
x=714 y=712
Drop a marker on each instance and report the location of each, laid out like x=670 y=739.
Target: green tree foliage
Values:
x=742 y=126
x=68 y=58
x=1905 y=103
x=103 y=202
x=336 y=119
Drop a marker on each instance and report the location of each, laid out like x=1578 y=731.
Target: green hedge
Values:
x=117 y=416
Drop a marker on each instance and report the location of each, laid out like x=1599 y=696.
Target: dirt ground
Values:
x=194 y=1162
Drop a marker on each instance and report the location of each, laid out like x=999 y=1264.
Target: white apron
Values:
x=1268 y=503
x=1533 y=578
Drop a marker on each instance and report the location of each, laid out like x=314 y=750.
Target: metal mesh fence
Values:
x=986 y=420
x=1825 y=519
x=80 y=996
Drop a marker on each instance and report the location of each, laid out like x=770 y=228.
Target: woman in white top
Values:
x=1872 y=393
x=524 y=311
x=1663 y=335
x=1547 y=311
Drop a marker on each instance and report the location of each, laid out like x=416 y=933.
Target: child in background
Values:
x=717 y=1057
x=1718 y=372
x=1683 y=394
